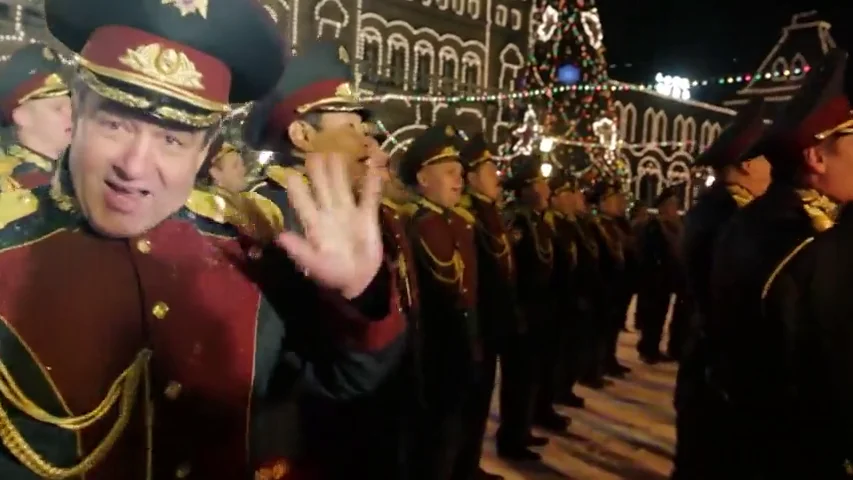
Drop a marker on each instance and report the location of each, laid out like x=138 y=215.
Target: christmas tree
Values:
x=573 y=124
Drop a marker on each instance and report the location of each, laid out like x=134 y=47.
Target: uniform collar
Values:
x=28 y=155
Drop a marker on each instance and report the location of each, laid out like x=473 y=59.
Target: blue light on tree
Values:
x=568 y=74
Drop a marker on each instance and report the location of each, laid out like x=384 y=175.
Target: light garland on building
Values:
x=19 y=36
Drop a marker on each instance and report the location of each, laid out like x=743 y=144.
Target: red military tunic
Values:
x=202 y=349
x=398 y=249
x=443 y=243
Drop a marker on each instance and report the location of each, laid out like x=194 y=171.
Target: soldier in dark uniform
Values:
x=534 y=253
x=497 y=306
x=740 y=176
x=784 y=418
x=161 y=362
x=34 y=103
x=611 y=246
x=662 y=274
x=442 y=237
x=633 y=257
x=577 y=279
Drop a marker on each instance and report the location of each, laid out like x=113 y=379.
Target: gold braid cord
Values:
x=455 y=262
x=122 y=392
x=403 y=270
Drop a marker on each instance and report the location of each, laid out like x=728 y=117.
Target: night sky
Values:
x=700 y=39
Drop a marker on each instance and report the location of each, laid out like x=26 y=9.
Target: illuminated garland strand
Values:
x=554 y=89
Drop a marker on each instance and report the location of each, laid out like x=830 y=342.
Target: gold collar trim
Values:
x=740 y=195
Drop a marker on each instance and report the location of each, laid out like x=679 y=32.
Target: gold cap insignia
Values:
x=187 y=7
x=166 y=65
x=343 y=55
x=450 y=131
x=48 y=54
x=345 y=92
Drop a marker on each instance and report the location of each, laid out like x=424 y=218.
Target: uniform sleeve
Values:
x=332 y=346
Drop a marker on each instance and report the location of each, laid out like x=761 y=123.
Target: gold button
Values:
x=143 y=245
x=160 y=310
x=173 y=390
x=183 y=471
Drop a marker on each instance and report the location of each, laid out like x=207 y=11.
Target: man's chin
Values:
x=119 y=226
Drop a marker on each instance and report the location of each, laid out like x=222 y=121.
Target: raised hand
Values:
x=342 y=246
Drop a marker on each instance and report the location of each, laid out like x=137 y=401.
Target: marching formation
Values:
x=164 y=316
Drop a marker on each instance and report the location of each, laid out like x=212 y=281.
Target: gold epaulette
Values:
x=409 y=209
x=253 y=214
x=465 y=214
x=280 y=175
x=16 y=204
x=549 y=219
x=8 y=163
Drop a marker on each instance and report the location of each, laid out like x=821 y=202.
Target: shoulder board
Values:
x=549 y=218
x=17 y=204
x=207 y=205
x=251 y=213
x=392 y=205
x=280 y=175
x=465 y=214
x=9 y=184
x=8 y=164
x=409 y=208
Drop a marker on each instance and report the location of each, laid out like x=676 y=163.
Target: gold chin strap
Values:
x=122 y=392
x=141 y=103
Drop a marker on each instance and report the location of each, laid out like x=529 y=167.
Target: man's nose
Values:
x=133 y=162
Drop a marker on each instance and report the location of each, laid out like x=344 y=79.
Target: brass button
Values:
x=143 y=245
x=160 y=310
x=183 y=470
x=173 y=390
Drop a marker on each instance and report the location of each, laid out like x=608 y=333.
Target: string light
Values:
x=554 y=89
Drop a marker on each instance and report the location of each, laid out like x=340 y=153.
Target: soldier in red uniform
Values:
x=442 y=237
x=166 y=338
x=497 y=307
x=34 y=102
x=313 y=109
x=223 y=170
x=534 y=253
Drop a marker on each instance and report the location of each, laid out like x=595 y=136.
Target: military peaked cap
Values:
x=475 y=152
x=602 y=191
x=819 y=110
x=184 y=61
x=526 y=170
x=321 y=79
x=739 y=141
x=563 y=181
x=438 y=143
x=665 y=194
x=32 y=72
